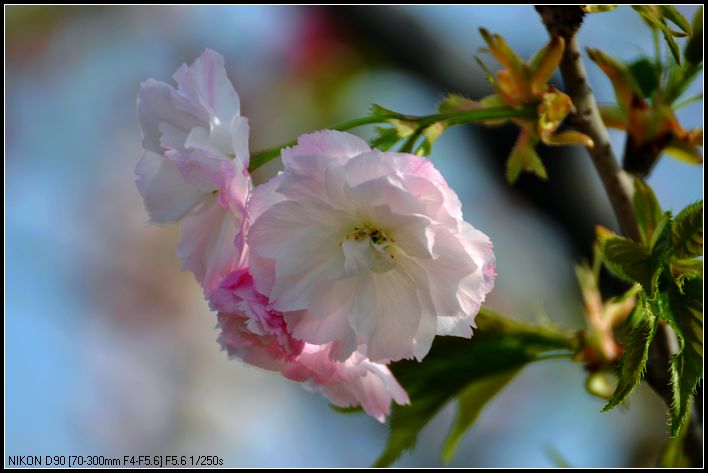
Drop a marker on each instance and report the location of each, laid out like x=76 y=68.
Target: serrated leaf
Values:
x=685 y=269
x=688 y=231
x=661 y=239
x=646 y=209
x=636 y=352
x=685 y=315
x=499 y=345
x=629 y=261
x=672 y=14
x=644 y=72
x=693 y=52
x=470 y=404
x=457 y=103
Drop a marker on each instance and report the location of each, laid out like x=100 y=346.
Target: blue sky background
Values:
x=110 y=350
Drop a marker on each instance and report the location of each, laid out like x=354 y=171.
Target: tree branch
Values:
x=564 y=22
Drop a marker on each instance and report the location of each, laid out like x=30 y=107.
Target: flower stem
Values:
x=259 y=158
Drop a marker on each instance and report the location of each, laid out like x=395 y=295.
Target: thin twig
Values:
x=565 y=22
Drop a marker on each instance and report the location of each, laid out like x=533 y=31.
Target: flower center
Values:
x=369 y=248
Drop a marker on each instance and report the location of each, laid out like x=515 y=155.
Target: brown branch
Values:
x=565 y=21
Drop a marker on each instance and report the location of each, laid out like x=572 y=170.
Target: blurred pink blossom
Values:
x=195 y=161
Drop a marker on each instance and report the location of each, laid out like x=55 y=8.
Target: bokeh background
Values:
x=111 y=350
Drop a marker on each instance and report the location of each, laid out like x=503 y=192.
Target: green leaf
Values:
x=661 y=239
x=672 y=14
x=646 y=209
x=685 y=315
x=457 y=103
x=430 y=135
x=693 y=52
x=377 y=109
x=644 y=72
x=636 y=351
x=630 y=261
x=385 y=138
x=523 y=157
x=598 y=8
x=499 y=346
x=688 y=231
x=653 y=17
x=680 y=78
x=470 y=404
x=635 y=262
x=686 y=269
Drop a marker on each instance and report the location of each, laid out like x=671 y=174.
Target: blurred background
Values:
x=111 y=350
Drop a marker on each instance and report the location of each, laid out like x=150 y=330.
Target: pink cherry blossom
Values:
x=255 y=333
x=366 y=250
x=194 y=166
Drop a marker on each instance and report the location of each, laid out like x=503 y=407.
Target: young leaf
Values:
x=385 y=139
x=544 y=64
x=457 y=103
x=644 y=73
x=654 y=17
x=646 y=209
x=685 y=315
x=598 y=8
x=671 y=13
x=635 y=355
x=688 y=231
x=693 y=51
x=524 y=158
x=622 y=79
x=499 y=346
x=629 y=261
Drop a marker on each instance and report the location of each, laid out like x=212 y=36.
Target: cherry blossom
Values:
x=366 y=250
x=194 y=165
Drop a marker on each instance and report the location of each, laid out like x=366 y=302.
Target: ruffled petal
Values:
x=167 y=196
x=166 y=117
x=205 y=82
x=206 y=243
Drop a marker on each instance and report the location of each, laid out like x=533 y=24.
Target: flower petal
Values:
x=206 y=243
x=166 y=195
x=303 y=239
x=205 y=82
x=337 y=145
x=166 y=117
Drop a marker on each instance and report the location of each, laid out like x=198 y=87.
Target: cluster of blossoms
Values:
x=348 y=259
